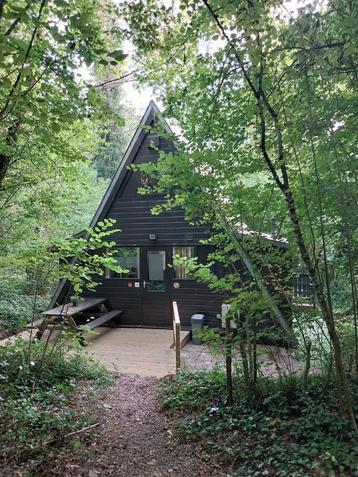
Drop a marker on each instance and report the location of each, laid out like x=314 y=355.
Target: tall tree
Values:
x=51 y=121
x=267 y=103
x=42 y=46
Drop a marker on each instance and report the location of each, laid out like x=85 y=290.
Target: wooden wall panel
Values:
x=133 y=215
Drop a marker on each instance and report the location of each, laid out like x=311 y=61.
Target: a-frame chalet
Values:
x=146 y=245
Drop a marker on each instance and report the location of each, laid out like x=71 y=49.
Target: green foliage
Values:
x=17 y=303
x=93 y=254
x=266 y=100
x=47 y=368
x=51 y=122
x=43 y=263
x=193 y=390
x=115 y=133
x=14 y=312
x=35 y=397
x=44 y=106
x=36 y=376
x=286 y=429
x=29 y=424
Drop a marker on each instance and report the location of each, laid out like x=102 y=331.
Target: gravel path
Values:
x=133 y=438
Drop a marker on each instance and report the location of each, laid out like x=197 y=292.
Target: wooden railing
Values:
x=176 y=335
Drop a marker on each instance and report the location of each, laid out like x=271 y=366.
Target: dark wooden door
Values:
x=156 y=283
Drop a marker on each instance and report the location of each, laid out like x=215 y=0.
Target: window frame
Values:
x=108 y=272
x=195 y=254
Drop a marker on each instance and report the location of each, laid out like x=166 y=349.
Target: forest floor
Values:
x=133 y=438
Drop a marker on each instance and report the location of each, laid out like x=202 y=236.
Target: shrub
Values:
x=21 y=369
x=35 y=397
x=285 y=429
x=193 y=389
x=18 y=303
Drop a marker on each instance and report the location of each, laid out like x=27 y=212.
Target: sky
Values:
x=139 y=98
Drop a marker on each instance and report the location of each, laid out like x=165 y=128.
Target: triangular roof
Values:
x=151 y=113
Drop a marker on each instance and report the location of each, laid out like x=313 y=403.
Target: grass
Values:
x=37 y=397
x=285 y=429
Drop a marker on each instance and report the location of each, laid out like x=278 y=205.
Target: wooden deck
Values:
x=129 y=350
x=134 y=350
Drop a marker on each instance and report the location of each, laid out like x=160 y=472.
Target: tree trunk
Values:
x=5 y=158
x=228 y=361
x=343 y=389
x=2 y=3
x=4 y=166
x=307 y=363
x=354 y=301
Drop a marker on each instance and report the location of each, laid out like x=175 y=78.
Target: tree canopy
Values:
x=266 y=100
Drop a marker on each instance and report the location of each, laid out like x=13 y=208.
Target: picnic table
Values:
x=66 y=314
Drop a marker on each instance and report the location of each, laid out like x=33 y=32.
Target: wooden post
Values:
x=103 y=308
x=176 y=334
x=43 y=326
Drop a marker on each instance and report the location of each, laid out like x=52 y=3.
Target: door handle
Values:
x=144 y=283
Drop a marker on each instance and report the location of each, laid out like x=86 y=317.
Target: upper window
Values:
x=128 y=259
x=181 y=270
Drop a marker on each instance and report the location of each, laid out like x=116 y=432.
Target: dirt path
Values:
x=133 y=438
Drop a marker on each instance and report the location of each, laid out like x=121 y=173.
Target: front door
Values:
x=156 y=286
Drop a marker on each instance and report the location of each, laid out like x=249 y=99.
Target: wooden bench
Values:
x=101 y=320
x=65 y=314
x=34 y=324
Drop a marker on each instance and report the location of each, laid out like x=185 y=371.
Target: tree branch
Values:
x=2 y=4
x=114 y=80
x=27 y=54
x=233 y=46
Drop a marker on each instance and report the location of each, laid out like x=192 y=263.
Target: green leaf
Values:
x=118 y=55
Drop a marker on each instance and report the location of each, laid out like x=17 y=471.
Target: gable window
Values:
x=128 y=259
x=181 y=270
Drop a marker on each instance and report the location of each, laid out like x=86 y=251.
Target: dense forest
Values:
x=61 y=140
x=264 y=93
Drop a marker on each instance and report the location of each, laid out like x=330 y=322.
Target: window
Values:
x=128 y=259
x=156 y=263
x=181 y=270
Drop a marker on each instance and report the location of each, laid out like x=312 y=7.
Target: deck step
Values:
x=101 y=320
x=185 y=337
x=35 y=324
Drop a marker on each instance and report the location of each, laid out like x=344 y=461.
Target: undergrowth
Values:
x=284 y=429
x=36 y=397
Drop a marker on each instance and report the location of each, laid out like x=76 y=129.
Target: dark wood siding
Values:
x=119 y=296
x=133 y=215
x=134 y=218
x=132 y=212
x=192 y=297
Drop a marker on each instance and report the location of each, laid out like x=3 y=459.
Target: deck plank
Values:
x=134 y=350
